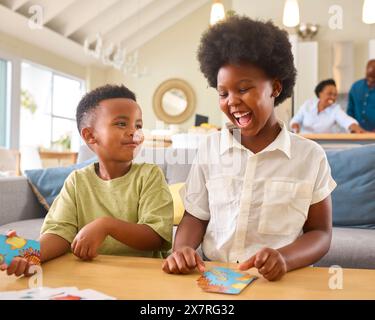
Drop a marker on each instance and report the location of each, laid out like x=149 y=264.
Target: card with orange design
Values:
x=225 y=280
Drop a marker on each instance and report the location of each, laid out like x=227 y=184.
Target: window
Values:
x=4 y=95
x=48 y=105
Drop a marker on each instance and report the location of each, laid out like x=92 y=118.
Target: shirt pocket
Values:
x=223 y=199
x=285 y=207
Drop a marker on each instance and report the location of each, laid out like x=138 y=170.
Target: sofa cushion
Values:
x=350 y=248
x=17 y=201
x=28 y=229
x=47 y=183
x=353 y=199
x=178 y=206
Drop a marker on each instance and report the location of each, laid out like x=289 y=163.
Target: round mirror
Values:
x=174 y=101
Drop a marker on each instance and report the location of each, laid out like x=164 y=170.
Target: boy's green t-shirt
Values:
x=141 y=196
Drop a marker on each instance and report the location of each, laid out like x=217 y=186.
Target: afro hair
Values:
x=92 y=99
x=240 y=39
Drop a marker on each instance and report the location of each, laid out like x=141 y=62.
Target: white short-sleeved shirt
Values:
x=325 y=121
x=252 y=200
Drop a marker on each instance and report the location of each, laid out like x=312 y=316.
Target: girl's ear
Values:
x=88 y=135
x=277 y=87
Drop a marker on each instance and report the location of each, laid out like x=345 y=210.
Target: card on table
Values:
x=225 y=280
x=12 y=246
x=44 y=293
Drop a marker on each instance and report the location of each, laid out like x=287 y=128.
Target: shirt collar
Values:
x=282 y=141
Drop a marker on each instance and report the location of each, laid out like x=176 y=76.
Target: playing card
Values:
x=89 y=294
x=15 y=246
x=42 y=293
x=63 y=293
x=224 y=280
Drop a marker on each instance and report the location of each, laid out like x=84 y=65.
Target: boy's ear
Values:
x=88 y=135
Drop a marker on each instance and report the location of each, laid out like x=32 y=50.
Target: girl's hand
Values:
x=269 y=262
x=88 y=240
x=184 y=261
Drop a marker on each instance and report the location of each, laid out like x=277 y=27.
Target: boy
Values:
x=114 y=206
x=258 y=194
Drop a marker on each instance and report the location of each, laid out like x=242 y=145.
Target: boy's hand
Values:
x=183 y=261
x=19 y=266
x=269 y=262
x=86 y=243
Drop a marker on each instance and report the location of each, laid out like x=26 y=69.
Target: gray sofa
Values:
x=20 y=210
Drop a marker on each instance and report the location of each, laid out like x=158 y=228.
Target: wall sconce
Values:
x=291 y=13
x=217 y=12
x=368 y=12
x=307 y=30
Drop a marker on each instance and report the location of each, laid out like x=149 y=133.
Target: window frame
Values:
x=53 y=73
x=12 y=133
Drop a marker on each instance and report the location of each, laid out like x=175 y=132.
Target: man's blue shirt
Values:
x=362 y=104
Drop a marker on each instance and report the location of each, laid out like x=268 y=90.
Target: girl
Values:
x=256 y=194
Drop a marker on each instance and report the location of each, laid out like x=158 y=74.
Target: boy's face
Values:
x=247 y=97
x=115 y=132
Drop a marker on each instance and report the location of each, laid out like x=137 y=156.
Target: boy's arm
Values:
x=52 y=246
x=137 y=236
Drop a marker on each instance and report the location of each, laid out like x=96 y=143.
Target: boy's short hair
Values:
x=92 y=99
x=239 y=39
x=322 y=84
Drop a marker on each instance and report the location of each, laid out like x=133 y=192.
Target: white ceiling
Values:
x=67 y=23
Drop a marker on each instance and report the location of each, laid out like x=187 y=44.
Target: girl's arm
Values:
x=307 y=249
x=316 y=240
x=190 y=232
x=189 y=236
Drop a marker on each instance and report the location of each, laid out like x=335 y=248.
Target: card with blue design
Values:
x=225 y=280
x=12 y=245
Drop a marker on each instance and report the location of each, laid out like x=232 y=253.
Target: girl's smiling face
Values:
x=247 y=97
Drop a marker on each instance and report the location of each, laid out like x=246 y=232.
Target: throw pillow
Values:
x=178 y=206
x=353 y=199
x=47 y=183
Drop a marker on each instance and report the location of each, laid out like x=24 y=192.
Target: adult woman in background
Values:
x=322 y=114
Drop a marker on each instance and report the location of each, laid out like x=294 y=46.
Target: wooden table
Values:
x=341 y=138
x=142 y=278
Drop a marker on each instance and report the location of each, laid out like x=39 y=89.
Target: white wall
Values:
x=316 y=11
x=372 y=49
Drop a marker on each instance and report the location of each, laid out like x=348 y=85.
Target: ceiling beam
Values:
x=111 y=18
x=168 y=19
x=16 y=4
x=15 y=25
x=151 y=13
x=53 y=8
x=78 y=14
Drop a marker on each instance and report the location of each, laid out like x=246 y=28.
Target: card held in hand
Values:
x=12 y=246
x=225 y=280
